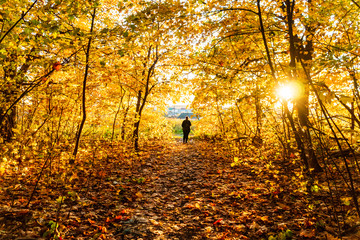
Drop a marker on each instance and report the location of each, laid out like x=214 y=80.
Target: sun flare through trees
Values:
x=89 y=149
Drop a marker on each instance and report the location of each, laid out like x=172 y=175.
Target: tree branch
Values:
x=21 y=18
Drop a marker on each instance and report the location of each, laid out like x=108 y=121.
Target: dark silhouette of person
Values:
x=186 y=129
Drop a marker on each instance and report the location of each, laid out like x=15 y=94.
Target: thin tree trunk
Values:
x=141 y=102
x=356 y=88
x=246 y=126
x=262 y=29
x=235 y=123
x=257 y=138
x=223 y=130
x=124 y=123
x=114 y=122
x=137 y=122
x=124 y=120
x=115 y=117
x=27 y=90
x=72 y=161
x=331 y=125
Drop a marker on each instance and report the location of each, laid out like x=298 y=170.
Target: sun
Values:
x=288 y=91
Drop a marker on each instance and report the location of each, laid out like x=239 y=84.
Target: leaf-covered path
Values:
x=166 y=191
x=183 y=199
x=194 y=193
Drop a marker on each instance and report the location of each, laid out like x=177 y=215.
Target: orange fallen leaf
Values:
x=217 y=221
x=308 y=233
x=91 y=221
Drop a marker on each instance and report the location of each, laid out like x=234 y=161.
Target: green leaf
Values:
x=60 y=199
x=28 y=31
x=315 y=188
x=121 y=53
x=288 y=233
x=71 y=17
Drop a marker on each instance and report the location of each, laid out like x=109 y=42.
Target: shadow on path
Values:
x=187 y=194
x=168 y=190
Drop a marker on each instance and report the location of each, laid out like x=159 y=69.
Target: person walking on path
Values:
x=186 y=129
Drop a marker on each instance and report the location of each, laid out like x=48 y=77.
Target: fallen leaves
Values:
x=173 y=191
x=217 y=221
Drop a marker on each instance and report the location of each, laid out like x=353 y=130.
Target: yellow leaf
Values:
x=154 y=222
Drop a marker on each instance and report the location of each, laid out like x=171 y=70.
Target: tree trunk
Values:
x=7 y=126
x=124 y=123
x=137 y=122
x=72 y=160
x=8 y=110
x=301 y=104
x=124 y=118
x=262 y=29
x=257 y=140
x=115 y=117
x=114 y=122
x=246 y=126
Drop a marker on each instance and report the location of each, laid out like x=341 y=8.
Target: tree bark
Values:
x=72 y=160
x=19 y=20
x=124 y=123
x=257 y=140
x=262 y=29
x=137 y=122
x=141 y=102
x=297 y=51
x=116 y=114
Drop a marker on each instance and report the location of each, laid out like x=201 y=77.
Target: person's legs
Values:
x=186 y=136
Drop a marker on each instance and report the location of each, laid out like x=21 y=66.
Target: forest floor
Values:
x=167 y=191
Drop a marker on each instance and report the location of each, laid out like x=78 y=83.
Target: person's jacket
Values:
x=186 y=125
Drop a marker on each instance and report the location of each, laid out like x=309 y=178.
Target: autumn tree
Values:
x=150 y=49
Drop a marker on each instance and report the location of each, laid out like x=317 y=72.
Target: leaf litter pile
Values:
x=167 y=191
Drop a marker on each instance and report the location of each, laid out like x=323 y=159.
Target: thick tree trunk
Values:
x=299 y=142
x=7 y=126
x=9 y=95
x=297 y=51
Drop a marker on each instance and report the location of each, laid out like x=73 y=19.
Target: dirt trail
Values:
x=167 y=191
x=187 y=197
